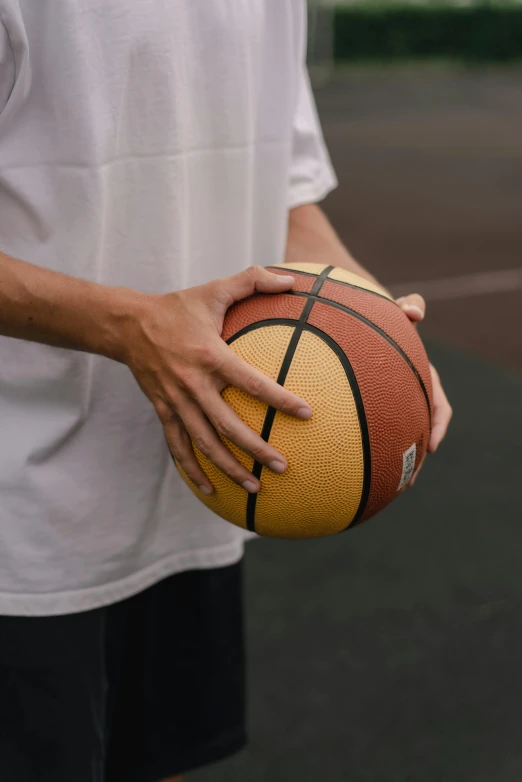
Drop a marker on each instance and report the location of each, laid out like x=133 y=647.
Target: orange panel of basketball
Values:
x=340 y=342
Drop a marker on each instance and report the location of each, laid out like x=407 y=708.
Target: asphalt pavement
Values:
x=392 y=653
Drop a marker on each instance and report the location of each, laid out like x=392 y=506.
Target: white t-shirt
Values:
x=155 y=144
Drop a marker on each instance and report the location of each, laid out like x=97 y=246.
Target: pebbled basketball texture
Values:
x=338 y=341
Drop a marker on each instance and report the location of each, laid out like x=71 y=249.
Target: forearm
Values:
x=312 y=239
x=44 y=306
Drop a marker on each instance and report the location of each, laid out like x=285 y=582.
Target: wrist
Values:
x=124 y=311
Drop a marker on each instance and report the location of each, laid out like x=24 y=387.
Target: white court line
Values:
x=462 y=287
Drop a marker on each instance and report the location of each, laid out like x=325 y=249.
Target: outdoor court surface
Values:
x=393 y=653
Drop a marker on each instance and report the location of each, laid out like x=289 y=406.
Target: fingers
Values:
x=239 y=374
x=206 y=440
x=417 y=471
x=244 y=284
x=413 y=305
x=229 y=425
x=181 y=449
x=442 y=412
x=194 y=428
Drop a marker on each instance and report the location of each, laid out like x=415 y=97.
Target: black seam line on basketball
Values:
x=361 y=414
x=257 y=467
x=259 y=324
x=341 y=282
x=359 y=404
x=318 y=284
x=376 y=328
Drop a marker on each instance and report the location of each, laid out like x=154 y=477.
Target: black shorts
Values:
x=137 y=691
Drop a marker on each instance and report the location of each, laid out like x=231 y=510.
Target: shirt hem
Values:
x=77 y=601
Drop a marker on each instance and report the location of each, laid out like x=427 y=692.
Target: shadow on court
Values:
x=392 y=652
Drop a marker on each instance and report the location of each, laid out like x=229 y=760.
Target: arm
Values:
x=311 y=237
x=43 y=306
x=183 y=377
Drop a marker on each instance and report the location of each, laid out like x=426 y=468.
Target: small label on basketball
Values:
x=408 y=465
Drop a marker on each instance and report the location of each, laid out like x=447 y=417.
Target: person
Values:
x=154 y=157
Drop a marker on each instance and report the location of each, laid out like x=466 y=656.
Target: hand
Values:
x=175 y=351
x=415 y=308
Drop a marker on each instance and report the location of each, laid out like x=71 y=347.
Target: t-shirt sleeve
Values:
x=311 y=173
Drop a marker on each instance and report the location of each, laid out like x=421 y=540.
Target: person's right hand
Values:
x=175 y=351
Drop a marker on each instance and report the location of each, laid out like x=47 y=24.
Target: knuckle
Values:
x=175 y=442
x=254 y=385
x=171 y=399
x=234 y=475
x=175 y=449
x=184 y=463
x=208 y=356
x=253 y=271
x=224 y=427
x=255 y=274
x=288 y=407
x=191 y=470
x=221 y=292
x=167 y=398
x=187 y=381
x=203 y=445
x=164 y=410
x=258 y=451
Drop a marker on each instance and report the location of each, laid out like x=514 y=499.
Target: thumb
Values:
x=244 y=284
x=413 y=306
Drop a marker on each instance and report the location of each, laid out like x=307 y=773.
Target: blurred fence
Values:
x=467 y=30
x=422 y=3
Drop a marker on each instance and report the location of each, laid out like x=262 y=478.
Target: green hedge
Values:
x=477 y=33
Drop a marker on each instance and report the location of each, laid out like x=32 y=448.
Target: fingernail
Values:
x=304 y=413
x=411 y=309
x=277 y=466
x=205 y=490
x=250 y=486
x=286 y=278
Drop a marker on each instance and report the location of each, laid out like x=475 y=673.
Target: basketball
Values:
x=342 y=344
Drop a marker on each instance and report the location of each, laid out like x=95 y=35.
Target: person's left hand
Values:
x=415 y=308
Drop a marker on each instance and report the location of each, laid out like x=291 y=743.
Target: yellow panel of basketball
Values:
x=324 y=479
x=341 y=275
x=309 y=268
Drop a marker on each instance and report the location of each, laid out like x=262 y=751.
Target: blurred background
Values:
x=392 y=653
